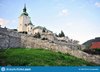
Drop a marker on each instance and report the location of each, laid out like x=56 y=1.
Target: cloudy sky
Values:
x=79 y=19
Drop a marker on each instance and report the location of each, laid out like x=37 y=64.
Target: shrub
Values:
x=44 y=29
x=37 y=35
x=61 y=34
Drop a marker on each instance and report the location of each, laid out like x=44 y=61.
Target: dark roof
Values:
x=30 y=23
x=24 y=13
x=97 y=39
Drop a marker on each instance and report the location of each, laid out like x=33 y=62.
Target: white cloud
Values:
x=97 y=4
x=64 y=12
x=4 y=22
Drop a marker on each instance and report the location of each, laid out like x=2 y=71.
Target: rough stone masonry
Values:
x=13 y=39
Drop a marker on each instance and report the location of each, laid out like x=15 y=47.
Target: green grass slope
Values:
x=38 y=57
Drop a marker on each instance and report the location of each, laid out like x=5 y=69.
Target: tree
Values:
x=44 y=29
x=56 y=35
x=61 y=34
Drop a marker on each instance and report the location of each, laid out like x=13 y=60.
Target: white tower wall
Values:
x=23 y=23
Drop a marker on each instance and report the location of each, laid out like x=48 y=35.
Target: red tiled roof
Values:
x=95 y=45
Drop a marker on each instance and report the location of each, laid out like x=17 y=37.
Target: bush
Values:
x=98 y=49
x=44 y=29
x=61 y=34
x=92 y=51
x=37 y=35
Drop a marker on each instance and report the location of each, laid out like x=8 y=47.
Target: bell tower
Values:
x=24 y=20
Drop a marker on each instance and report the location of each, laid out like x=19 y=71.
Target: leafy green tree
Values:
x=61 y=34
x=44 y=29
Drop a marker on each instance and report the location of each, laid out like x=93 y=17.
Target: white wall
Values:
x=30 y=29
x=37 y=30
x=23 y=23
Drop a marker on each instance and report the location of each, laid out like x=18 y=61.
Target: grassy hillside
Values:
x=38 y=57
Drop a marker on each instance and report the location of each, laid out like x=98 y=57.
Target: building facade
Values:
x=25 y=25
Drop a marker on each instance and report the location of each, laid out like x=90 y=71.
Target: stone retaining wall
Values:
x=31 y=42
x=10 y=39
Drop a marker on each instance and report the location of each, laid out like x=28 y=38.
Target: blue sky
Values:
x=79 y=19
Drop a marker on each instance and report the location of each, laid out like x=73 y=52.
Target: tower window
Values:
x=25 y=24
